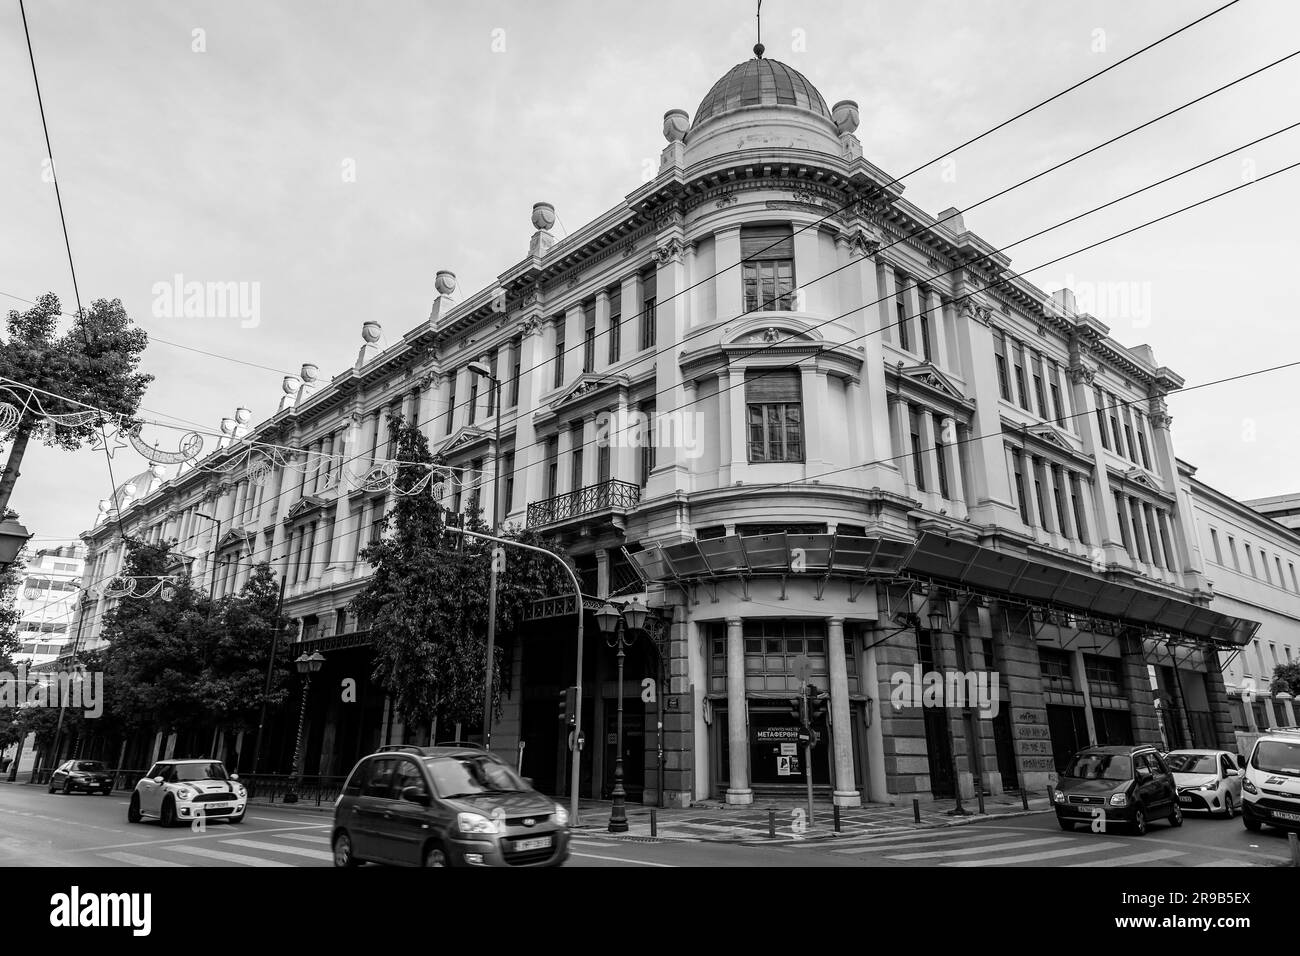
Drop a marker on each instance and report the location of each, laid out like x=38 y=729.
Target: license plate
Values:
x=215 y=806
x=540 y=843
x=1186 y=800
x=1284 y=815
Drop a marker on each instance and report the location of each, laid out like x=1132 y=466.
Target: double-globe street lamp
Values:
x=307 y=665
x=614 y=624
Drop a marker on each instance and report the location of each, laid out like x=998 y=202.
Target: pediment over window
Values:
x=234 y=536
x=928 y=375
x=1050 y=435
x=467 y=435
x=307 y=505
x=588 y=383
x=1140 y=477
x=772 y=333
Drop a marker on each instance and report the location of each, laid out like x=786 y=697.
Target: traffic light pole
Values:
x=804 y=706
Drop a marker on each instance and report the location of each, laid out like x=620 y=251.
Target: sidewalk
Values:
x=717 y=822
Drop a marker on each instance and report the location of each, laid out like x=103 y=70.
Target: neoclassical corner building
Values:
x=818 y=431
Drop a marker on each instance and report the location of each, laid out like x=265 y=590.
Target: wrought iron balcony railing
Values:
x=605 y=496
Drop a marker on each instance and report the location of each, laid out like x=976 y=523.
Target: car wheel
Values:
x=107 y=791
x=1066 y=825
x=51 y=788
x=1251 y=823
x=434 y=855
x=1228 y=808
x=67 y=786
x=1140 y=822
x=238 y=819
x=133 y=811
x=343 y=850
x=168 y=817
x=1176 y=816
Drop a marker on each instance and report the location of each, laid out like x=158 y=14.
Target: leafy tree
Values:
x=427 y=602
x=1286 y=678
x=94 y=362
x=10 y=581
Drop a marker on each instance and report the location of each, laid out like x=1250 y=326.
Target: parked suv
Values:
x=1129 y=785
x=445 y=806
x=1270 y=785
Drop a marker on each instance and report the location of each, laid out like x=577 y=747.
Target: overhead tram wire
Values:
x=1158 y=219
x=894 y=181
x=1034 y=235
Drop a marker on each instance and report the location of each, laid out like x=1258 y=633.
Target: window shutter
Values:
x=772 y=387
x=767 y=242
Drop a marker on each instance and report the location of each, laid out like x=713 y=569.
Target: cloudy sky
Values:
x=337 y=154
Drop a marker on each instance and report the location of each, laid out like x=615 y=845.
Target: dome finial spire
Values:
x=758 y=30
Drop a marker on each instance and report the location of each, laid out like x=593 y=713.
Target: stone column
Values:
x=816 y=400
x=728 y=282
x=738 y=789
x=530 y=452
x=575 y=334
x=888 y=295
x=929 y=460
x=935 y=316
x=604 y=332
x=846 y=793
x=877 y=699
x=809 y=296
x=671 y=470
x=901 y=431
x=870 y=407
x=1109 y=536
x=1080 y=676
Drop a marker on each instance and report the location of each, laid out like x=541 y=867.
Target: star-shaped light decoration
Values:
x=108 y=440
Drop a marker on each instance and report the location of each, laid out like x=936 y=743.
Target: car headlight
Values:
x=1058 y=796
x=1212 y=785
x=1119 y=799
x=561 y=815
x=476 y=823
x=184 y=793
x=1248 y=786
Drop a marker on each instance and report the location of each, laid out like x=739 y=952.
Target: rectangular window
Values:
x=451 y=411
x=941 y=457
x=473 y=397
x=1250 y=562
x=1058 y=493
x=1142 y=441
x=1263 y=560
x=602 y=463
x=559 y=352
x=923 y=318
x=1035 y=466
x=648 y=284
x=1099 y=398
x=1076 y=504
x=516 y=353
x=1128 y=433
x=1040 y=393
x=552 y=466
x=476 y=488
x=1295 y=585
x=575 y=458
x=1115 y=433
x=1149 y=523
x=918 y=472
x=1018 y=464
x=774 y=409
x=589 y=335
x=1214 y=540
x=900 y=312
x=1018 y=361
x=1000 y=357
x=767 y=267
x=1054 y=379
x=508 y=498
x=1232 y=550
x=647 y=442
x=1123 y=523
x=615 y=324
x=1134 y=516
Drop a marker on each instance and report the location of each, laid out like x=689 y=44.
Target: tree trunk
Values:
x=9 y=477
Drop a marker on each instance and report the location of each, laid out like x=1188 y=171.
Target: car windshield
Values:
x=93 y=766
x=199 y=771
x=469 y=775
x=1277 y=756
x=1192 y=763
x=1100 y=767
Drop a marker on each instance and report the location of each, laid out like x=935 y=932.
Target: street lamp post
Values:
x=12 y=538
x=614 y=624
x=270 y=667
x=481 y=368
x=307 y=665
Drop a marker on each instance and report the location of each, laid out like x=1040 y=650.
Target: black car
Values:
x=93 y=776
x=445 y=806
x=1127 y=785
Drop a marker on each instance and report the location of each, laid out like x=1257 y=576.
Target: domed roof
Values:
x=760 y=82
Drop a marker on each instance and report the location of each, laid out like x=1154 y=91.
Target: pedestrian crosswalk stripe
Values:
x=873 y=846
x=970 y=851
x=135 y=859
x=280 y=848
x=308 y=838
x=1035 y=857
x=1133 y=859
x=1226 y=861
x=227 y=857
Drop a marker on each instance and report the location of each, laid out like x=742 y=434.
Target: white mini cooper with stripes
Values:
x=182 y=791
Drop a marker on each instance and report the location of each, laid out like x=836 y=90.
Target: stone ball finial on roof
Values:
x=543 y=215
x=371 y=331
x=309 y=372
x=227 y=426
x=445 y=282
x=845 y=116
x=290 y=384
x=243 y=415
x=676 y=123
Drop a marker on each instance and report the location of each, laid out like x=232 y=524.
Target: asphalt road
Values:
x=40 y=829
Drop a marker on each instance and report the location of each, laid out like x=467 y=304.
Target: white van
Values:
x=1270 y=785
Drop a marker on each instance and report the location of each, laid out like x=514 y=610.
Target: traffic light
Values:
x=818 y=704
x=796 y=712
x=569 y=706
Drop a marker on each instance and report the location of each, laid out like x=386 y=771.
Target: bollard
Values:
x=654 y=824
x=1295 y=848
x=1024 y=796
x=771 y=823
x=916 y=809
x=979 y=792
x=837 y=818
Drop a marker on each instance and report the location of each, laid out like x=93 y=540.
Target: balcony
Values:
x=604 y=498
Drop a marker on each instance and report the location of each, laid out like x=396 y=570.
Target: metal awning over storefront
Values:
x=997 y=572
